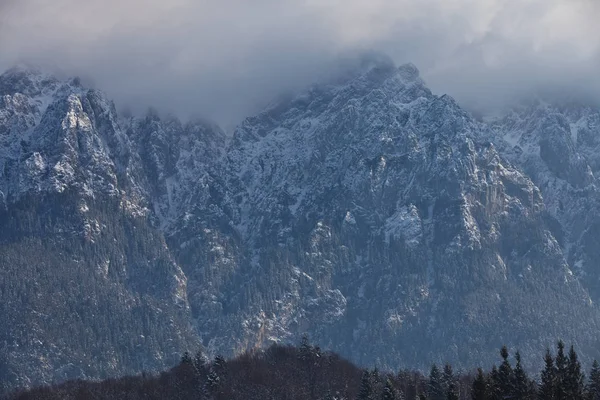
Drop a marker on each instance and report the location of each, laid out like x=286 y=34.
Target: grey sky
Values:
x=224 y=58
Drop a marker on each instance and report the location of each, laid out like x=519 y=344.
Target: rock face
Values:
x=88 y=287
x=376 y=216
x=557 y=145
x=418 y=240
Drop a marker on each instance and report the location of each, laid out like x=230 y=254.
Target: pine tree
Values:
x=449 y=383
x=220 y=365
x=366 y=388
x=561 y=364
x=186 y=358
x=452 y=391
x=435 y=388
x=375 y=378
x=389 y=393
x=213 y=381
x=593 y=386
x=505 y=375
x=317 y=352
x=447 y=376
x=216 y=374
x=574 y=377
x=200 y=360
x=306 y=348
x=521 y=385
x=548 y=382
x=494 y=385
x=479 y=391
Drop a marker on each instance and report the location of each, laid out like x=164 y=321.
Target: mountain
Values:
x=557 y=145
x=380 y=218
x=423 y=243
x=89 y=287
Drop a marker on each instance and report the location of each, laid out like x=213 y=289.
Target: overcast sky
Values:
x=224 y=58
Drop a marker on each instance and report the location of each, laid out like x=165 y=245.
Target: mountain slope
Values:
x=557 y=145
x=88 y=287
x=404 y=235
x=376 y=216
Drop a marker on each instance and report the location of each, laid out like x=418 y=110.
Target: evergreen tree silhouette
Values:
x=494 y=392
x=547 y=390
x=447 y=376
x=366 y=388
x=574 y=379
x=435 y=388
x=216 y=375
x=479 y=390
x=561 y=371
x=220 y=365
x=593 y=386
x=305 y=348
x=389 y=393
x=449 y=383
x=200 y=360
x=186 y=358
x=375 y=378
x=505 y=375
x=452 y=392
x=521 y=381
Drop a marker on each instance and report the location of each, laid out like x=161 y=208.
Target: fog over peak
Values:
x=225 y=59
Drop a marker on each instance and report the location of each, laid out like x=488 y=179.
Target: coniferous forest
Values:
x=306 y=372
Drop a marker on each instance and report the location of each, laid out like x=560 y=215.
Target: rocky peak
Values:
x=556 y=144
x=59 y=135
x=380 y=159
x=364 y=210
x=29 y=81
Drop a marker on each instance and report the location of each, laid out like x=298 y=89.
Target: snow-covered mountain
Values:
x=378 y=217
x=89 y=287
x=558 y=145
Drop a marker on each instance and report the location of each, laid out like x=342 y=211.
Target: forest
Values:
x=306 y=372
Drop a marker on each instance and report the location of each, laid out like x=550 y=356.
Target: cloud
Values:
x=225 y=58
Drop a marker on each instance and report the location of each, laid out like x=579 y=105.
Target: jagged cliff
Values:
x=378 y=217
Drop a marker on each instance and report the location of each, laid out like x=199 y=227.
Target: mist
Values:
x=226 y=59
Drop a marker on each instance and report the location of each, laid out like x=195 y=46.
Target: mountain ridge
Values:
x=378 y=217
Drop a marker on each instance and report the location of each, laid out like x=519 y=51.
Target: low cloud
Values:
x=226 y=58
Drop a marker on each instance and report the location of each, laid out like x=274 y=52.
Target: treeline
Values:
x=306 y=372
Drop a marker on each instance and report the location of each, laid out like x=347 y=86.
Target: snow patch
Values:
x=405 y=223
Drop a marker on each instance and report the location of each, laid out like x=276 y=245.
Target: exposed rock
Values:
x=380 y=218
